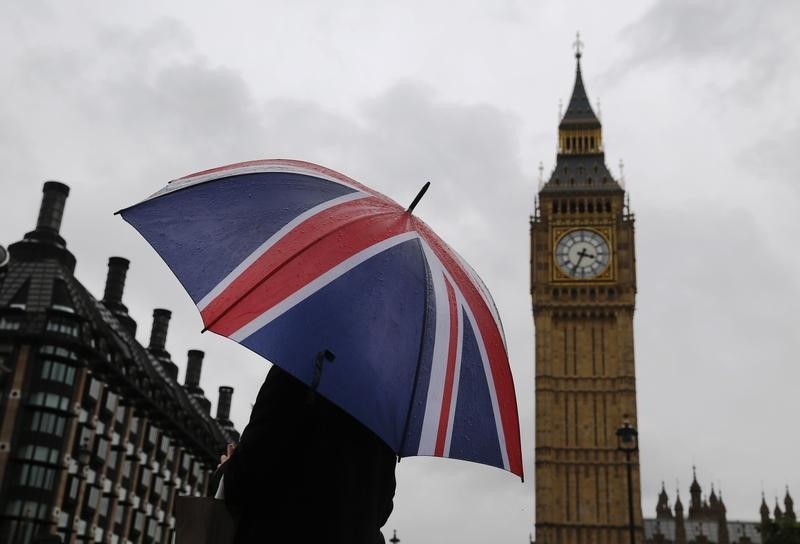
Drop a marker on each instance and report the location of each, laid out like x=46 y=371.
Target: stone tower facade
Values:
x=583 y=285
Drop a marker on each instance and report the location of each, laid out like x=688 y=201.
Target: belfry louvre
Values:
x=97 y=436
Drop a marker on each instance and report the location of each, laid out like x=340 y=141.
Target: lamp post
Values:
x=84 y=457
x=628 y=442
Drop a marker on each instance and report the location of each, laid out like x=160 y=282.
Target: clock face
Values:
x=582 y=254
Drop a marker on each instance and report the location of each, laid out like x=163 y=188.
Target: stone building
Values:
x=97 y=435
x=583 y=286
x=706 y=520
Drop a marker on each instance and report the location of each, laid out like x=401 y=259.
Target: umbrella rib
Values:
x=284 y=263
x=419 y=356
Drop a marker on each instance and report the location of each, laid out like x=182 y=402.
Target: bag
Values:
x=203 y=520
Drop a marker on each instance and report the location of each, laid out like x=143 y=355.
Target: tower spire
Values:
x=580 y=163
x=579 y=114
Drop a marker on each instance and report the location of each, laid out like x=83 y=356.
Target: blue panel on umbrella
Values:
x=371 y=318
x=474 y=430
x=204 y=232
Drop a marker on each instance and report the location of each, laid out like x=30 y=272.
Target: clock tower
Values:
x=583 y=284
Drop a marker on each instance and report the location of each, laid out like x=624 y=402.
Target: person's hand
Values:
x=227 y=455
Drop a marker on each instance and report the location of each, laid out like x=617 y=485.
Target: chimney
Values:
x=115 y=284
x=52 y=209
x=158 y=334
x=158 y=339
x=224 y=404
x=193 y=367
x=51 y=212
x=112 y=297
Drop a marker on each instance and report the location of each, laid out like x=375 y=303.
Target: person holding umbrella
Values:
x=305 y=471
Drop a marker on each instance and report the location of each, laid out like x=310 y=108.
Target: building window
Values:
x=50 y=400
x=35 y=476
x=9 y=324
x=94 y=389
x=94 y=497
x=111 y=401
x=58 y=352
x=48 y=423
x=39 y=453
x=138 y=524
x=58 y=372
x=63 y=326
x=102 y=448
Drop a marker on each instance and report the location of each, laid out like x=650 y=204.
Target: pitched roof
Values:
x=579 y=112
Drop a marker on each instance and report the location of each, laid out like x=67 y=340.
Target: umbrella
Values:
x=302 y=265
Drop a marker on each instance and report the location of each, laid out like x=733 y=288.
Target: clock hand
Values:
x=582 y=255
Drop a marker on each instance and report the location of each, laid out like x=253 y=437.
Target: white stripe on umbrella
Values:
x=433 y=403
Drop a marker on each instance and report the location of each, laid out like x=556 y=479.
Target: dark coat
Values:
x=305 y=471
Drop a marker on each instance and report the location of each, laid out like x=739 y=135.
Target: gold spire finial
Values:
x=578 y=45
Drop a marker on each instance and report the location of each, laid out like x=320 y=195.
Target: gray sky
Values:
x=115 y=99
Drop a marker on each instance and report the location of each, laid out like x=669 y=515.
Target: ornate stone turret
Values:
x=663 y=510
x=712 y=499
x=719 y=511
x=695 y=501
x=764 y=511
x=777 y=512
x=680 y=527
x=788 y=504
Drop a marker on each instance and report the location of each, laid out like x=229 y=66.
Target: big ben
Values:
x=583 y=285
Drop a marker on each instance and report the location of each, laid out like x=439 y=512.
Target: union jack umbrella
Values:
x=293 y=260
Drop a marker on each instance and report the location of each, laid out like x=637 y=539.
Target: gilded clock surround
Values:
x=558 y=276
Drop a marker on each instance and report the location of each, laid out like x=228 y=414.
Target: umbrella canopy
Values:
x=291 y=259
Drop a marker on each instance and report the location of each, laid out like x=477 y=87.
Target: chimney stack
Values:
x=158 y=334
x=193 y=367
x=224 y=404
x=51 y=212
x=115 y=284
x=112 y=297
x=52 y=209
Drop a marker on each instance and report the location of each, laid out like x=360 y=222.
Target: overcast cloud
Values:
x=699 y=100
